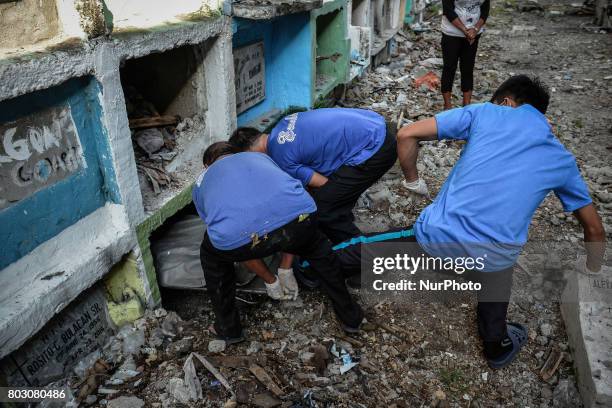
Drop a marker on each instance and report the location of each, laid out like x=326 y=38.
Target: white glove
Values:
x=288 y=282
x=581 y=266
x=275 y=290
x=418 y=186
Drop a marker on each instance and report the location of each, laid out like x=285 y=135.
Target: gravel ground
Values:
x=414 y=354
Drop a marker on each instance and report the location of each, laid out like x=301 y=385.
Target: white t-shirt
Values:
x=468 y=12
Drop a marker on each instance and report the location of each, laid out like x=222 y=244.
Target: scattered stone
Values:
x=265 y=400
x=432 y=63
x=178 y=390
x=216 y=346
x=565 y=394
x=254 y=347
x=149 y=140
x=546 y=329
x=126 y=402
x=181 y=347
x=133 y=340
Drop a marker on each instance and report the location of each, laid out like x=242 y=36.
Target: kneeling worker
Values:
x=253 y=209
x=338 y=153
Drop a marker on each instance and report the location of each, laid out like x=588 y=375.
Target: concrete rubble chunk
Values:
x=263 y=10
x=565 y=395
x=216 y=346
x=178 y=390
x=149 y=140
x=126 y=402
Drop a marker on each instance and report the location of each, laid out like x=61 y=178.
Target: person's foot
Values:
x=349 y=329
x=446 y=97
x=467 y=98
x=509 y=347
x=228 y=340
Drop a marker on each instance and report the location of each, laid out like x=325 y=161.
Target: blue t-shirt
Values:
x=510 y=162
x=245 y=194
x=322 y=140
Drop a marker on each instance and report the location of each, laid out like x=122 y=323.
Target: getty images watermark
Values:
x=405 y=271
x=404 y=264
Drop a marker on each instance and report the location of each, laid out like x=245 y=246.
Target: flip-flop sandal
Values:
x=518 y=335
x=228 y=340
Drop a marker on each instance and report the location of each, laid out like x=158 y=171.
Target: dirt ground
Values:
x=419 y=353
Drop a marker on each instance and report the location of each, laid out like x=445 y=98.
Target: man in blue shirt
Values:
x=253 y=209
x=338 y=153
x=510 y=162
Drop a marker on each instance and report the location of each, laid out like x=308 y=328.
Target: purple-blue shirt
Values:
x=245 y=194
x=322 y=140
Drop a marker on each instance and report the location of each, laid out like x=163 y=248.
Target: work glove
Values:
x=275 y=290
x=288 y=282
x=418 y=186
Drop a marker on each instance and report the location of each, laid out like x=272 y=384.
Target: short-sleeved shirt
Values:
x=510 y=162
x=245 y=194
x=323 y=140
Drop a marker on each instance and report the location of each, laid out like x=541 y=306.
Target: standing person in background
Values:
x=462 y=24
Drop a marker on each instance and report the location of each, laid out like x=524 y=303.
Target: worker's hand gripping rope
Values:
x=287 y=279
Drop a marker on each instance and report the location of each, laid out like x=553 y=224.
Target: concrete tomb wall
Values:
x=83 y=327
x=332 y=48
x=161 y=84
x=130 y=14
x=28 y=22
x=287 y=58
x=54 y=149
x=360 y=35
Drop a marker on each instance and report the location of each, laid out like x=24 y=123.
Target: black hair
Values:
x=524 y=89
x=244 y=138
x=217 y=150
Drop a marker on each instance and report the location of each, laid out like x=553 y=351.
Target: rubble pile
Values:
x=158 y=140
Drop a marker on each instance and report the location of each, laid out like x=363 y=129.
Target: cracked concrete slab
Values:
x=586 y=308
x=265 y=10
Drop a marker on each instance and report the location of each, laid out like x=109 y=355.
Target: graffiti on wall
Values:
x=250 y=76
x=37 y=151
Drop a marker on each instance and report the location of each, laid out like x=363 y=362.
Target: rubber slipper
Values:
x=520 y=331
x=227 y=340
x=518 y=335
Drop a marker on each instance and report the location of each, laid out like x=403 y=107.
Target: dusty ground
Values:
x=422 y=353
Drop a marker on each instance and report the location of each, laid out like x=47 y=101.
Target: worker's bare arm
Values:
x=258 y=267
x=408 y=138
x=594 y=235
x=317 y=180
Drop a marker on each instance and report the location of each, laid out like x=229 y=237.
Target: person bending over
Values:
x=462 y=25
x=510 y=163
x=338 y=153
x=253 y=209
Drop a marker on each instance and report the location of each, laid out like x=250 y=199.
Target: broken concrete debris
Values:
x=155 y=139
